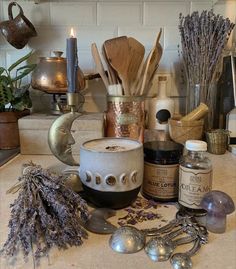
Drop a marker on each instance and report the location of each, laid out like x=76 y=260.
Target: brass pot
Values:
x=50 y=75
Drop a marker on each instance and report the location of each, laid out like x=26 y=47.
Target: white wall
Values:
x=96 y=21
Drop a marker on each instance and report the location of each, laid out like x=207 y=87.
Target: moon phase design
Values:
x=60 y=139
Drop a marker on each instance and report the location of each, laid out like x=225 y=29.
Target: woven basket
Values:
x=217 y=141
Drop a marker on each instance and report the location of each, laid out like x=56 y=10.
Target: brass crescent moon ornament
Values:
x=60 y=138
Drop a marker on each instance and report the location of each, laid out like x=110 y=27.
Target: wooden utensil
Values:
x=138 y=80
x=151 y=65
x=99 y=65
x=159 y=55
x=149 y=68
x=111 y=72
x=136 y=54
x=158 y=36
x=117 y=51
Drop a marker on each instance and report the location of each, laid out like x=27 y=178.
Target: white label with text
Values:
x=193 y=184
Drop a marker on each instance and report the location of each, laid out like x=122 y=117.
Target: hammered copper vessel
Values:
x=18 y=30
x=125 y=117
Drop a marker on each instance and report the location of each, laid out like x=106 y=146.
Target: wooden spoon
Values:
x=99 y=65
x=111 y=72
x=151 y=65
x=136 y=54
x=117 y=51
x=159 y=54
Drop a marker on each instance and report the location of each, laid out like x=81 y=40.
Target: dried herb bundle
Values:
x=45 y=214
x=203 y=38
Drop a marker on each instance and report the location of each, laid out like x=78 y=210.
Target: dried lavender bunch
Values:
x=45 y=214
x=203 y=38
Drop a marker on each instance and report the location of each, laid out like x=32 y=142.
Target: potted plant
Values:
x=14 y=100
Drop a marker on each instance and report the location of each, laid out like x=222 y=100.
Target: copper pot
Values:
x=50 y=75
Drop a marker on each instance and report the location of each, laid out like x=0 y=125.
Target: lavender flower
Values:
x=45 y=214
x=203 y=38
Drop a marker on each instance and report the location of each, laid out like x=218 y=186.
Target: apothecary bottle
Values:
x=195 y=176
x=161 y=107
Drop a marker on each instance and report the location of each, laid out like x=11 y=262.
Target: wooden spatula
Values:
x=149 y=84
x=151 y=65
x=117 y=51
x=99 y=65
x=159 y=55
x=111 y=72
x=136 y=54
x=148 y=68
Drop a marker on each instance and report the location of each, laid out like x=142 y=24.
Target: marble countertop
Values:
x=95 y=252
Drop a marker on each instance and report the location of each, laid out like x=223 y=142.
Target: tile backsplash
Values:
x=96 y=21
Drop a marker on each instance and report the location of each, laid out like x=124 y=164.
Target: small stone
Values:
x=218 y=205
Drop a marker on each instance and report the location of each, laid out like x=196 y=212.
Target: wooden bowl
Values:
x=181 y=131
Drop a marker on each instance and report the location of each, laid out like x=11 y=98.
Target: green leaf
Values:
x=11 y=90
x=2 y=69
x=22 y=102
x=24 y=73
x=5 y=95
x=19 y=61
x=5 y=80
x=26 y=66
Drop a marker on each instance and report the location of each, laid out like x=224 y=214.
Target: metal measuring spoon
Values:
x=160 y=248
x=183 y=260
x=127 y=239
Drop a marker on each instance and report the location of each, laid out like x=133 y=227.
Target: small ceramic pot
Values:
x=111 y=171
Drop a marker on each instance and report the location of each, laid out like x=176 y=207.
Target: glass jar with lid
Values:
x=161 y=170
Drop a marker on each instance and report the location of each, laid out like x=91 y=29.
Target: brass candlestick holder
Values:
x=60 y=138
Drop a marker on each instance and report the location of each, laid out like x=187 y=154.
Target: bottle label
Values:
x=193 y=184
x=161 y=181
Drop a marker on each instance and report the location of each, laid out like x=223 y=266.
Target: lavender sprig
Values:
x=203 y=38
x=45 y=214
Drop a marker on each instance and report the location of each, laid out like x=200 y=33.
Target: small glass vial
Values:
x=195 y=177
